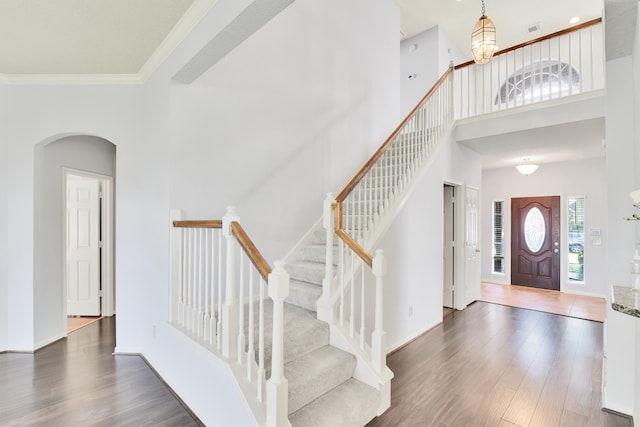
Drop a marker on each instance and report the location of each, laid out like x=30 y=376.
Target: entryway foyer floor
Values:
x=580 y=306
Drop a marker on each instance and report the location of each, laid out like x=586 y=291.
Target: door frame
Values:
x=459 y=256
x=107 y=255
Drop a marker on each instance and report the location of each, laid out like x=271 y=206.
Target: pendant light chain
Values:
x=483 y=7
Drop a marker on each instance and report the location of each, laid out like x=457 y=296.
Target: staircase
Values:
x=322 y=391
x=314 y=352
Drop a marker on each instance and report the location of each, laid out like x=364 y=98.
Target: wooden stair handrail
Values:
x=539 y=39
x=199 y=223
x=369 y=164
x=251 y=250
x=351 y=185
x=240 y=234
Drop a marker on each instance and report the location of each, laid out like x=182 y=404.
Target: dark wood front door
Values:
x=535 y=242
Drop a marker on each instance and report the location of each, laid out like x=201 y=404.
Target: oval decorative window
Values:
x=534 y=229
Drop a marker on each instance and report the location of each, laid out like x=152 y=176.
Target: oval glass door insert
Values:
x=534 y=229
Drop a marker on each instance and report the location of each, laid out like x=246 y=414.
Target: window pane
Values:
x=575 y=240
x=498 y=237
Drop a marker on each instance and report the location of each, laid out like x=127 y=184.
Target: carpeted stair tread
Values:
x=305 y=271
x=350 y=404
x=314 y=374
x=317 y=253
x=303 y=333
x=304 y=295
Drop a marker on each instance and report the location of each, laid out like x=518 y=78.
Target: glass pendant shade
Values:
x=483 y=40
x=527 y=168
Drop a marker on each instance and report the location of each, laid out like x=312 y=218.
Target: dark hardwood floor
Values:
x=493 y=365
x=489 y=365
x=78 y=382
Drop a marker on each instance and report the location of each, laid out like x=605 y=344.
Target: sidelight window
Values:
x=498 y=237
x=575 y=238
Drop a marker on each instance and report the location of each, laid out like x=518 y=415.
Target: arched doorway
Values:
x=86 y=155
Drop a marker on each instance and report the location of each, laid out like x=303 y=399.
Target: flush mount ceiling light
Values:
x=526 y=168
x=483 y=39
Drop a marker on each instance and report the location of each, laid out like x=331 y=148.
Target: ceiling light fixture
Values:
x=526 y=168
x=483 y=39
x=574 y=20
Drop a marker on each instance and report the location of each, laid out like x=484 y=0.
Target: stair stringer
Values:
x=364 y=372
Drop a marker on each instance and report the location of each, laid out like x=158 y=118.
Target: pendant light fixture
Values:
x=483 y=39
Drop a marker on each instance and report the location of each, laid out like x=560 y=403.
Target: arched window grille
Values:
x=541 y=81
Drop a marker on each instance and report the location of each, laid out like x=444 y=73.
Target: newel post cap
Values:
x=278 y=287
x=228 y=218
x=379 y=265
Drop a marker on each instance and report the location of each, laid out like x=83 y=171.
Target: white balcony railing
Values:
x=565 y=63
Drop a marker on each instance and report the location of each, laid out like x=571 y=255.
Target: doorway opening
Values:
x=449 y=246
x=88 y=285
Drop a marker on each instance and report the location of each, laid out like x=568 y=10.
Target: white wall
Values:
x=37 y=114
x=4 y=295
x=85 y=153
x=413 y=247
x=425 y=57
x=584 y=178
x=621 y=169
x=297 y=110
x=636 y=89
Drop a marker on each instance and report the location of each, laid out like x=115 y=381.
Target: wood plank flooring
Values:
x=489 y=365
x=78 y=382
x=493 y=365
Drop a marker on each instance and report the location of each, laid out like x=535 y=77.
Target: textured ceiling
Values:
x=46 y=37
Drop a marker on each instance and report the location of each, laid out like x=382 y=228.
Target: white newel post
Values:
x=278 y=386
x=378 y=337
x=175 y=260
x=230 y=307
x=323 y=305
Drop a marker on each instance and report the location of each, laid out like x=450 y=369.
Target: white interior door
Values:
x=472 y=246
x=449 y=244
x=83 y=246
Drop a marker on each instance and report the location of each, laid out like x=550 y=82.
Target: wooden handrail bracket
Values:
x=251 y=250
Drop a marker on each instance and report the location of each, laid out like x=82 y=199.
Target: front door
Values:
x=535 y=242
x=83 y=246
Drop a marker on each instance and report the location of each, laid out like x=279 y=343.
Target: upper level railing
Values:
x=561 y=64
x=358 y=214
x=217 y=296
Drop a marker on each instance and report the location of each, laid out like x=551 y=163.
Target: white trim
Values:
x=178 y=33
x=107 y=307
